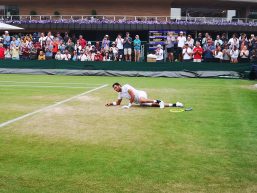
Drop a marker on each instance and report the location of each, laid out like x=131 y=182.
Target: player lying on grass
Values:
x=137 y=97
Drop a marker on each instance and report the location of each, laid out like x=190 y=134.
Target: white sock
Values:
x=170 y=105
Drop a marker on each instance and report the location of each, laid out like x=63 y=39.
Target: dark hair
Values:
x=116 y=84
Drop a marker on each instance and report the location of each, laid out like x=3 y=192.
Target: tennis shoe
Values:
x=178 y=104
x=161 y=103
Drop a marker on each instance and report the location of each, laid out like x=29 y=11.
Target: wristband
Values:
x=114 y=103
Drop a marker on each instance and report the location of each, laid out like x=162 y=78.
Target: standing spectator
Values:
x=7 y=39
x=41 y=56
x=42 y=39
x=137 y=48
x=33 y=53
x=159 y=53
x=127 y=47
x=66 y=37
x=197 y=52
x=70 y=46
x=244 y=55
x=55 y=46
x=204 y=40
x=105 y=43
x=170 y=43
x=48 y=51
x=82 y=42
x=181 y=39
x=218 y=41
x=209 y=51
x=234 y=41
x=234 y=53
x=119 y=43
x=190 y=41
x=2 y=51
x=199 y=39
x=49 y=38
x=187 y=53
x=97 y=46
x=59 y=37
x=224 y=38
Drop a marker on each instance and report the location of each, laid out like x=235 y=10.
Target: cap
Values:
x=113 y=43
x=6 y=32
x=89 y=42
x=159 y=46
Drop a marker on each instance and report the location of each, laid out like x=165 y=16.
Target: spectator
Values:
x=159 y=53
x=137 y=48
x=66 y=55
x=209 y=51
x=234 y=53
x=58 y=55
x=181 y=39
x=75 y=56
x=82 y=42
x=6 y=39
x=170 y=43
x=48 y=51
x=234 y=41
x=226 y=54
x=49 y=38
x=7 y=54
x=114 y=52
x=204 y=40
x=66 y=37
x=42 y=39
x=218 y=54
x=197 y=52
x=127 y=43
x=199 y=39
x=190 y=41
x=244 y=55
x=187 y=53
x=105 y=43
x=119 y=43
x=2 y=51
x=15 y=52
x=218 y=41
x=41 y=56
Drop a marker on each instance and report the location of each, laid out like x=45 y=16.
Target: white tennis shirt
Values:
x=124 y=93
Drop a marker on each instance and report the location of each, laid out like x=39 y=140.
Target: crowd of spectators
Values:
x=204 y=48
x=181 y=47
x=39 y=46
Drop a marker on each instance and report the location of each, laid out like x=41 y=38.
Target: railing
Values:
x=125 y=18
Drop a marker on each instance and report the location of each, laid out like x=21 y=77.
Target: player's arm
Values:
x=114 y=103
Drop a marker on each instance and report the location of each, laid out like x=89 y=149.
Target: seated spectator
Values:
x=41 y=56
x=58 y=55
x=83 y=56
x=75 y=56
x=187 y=53
x=97 y=46
x=2 y=51
x=66 y=56
x=15 y=52
x=197 y=52
x=226 y=54
x=98 y=56
x=254 y=55
x=25 y=52
x=106 y=57
x=7 y=54
x=159 y=53
x=234 y=53
x=244 y=55
x=89 y=46
x=48 y=51
x=218 y=55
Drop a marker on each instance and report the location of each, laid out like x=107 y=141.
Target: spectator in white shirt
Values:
x=244 y=54
x=58 y=55
x=218 y=41
x=159 y=53
x=234 y=53
x=181 y=39
x=187 y=53
x=119 y=44
x=218 y=55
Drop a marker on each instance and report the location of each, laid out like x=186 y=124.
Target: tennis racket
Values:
x=179 y=110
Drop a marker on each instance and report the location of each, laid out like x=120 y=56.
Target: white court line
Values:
x=51 y=106
x=47 y=82
x=29 y=86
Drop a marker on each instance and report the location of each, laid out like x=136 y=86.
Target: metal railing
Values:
x=125 y=18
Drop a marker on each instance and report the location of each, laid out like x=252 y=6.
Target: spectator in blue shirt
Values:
x=209 y=50
x=137 y=48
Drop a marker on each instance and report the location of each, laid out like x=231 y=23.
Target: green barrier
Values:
x=124 y=66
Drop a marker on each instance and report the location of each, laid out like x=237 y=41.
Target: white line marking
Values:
x=48 y=82
x=29 y=86
x=51 y=106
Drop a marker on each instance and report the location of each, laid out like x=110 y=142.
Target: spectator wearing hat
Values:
x=114 y=52
x=159 y=53
x=187 y=53
x=127 y=47
x=6 y=39
x=137 y=48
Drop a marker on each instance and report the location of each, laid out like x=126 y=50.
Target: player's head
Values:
x=117 y=87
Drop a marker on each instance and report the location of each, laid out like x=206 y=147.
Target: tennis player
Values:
x=137 y=97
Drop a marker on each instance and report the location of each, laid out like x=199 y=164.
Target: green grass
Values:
x=83 y=146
